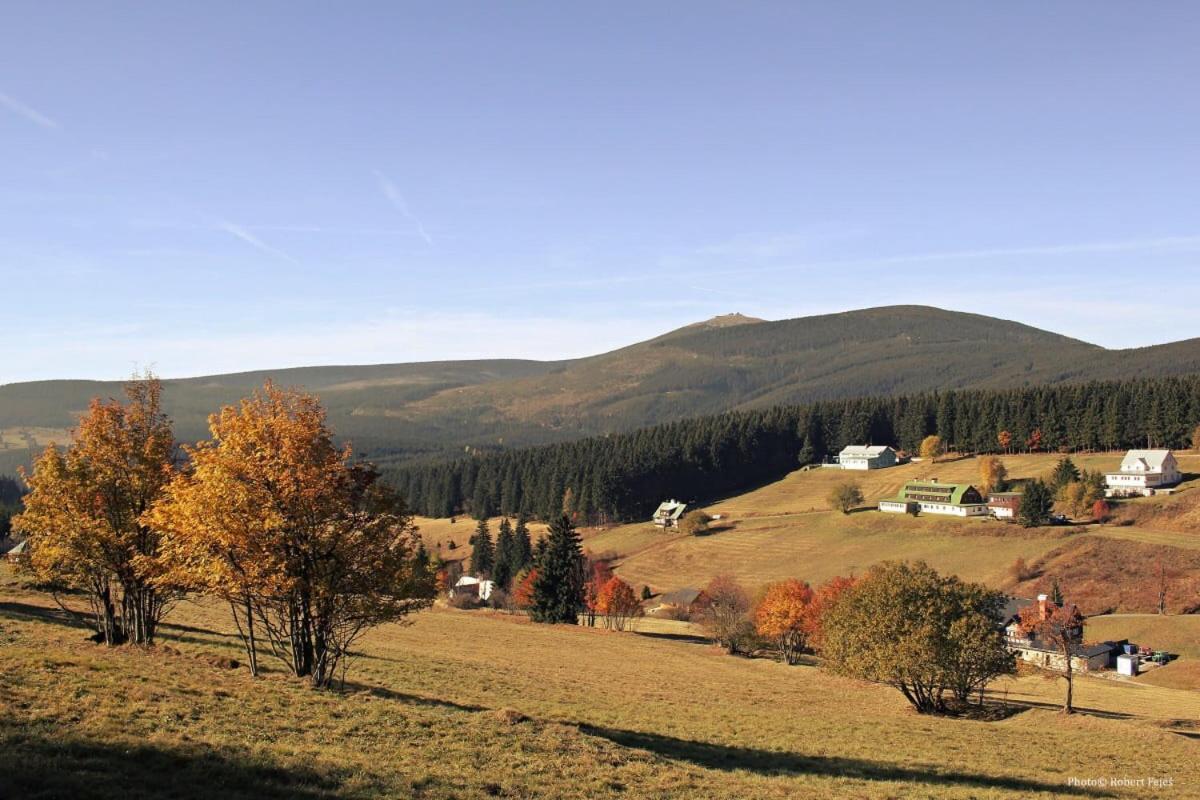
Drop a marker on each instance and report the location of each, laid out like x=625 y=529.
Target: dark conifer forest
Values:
x=624 y=476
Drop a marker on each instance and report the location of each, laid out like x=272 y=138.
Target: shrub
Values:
x=845 y=497
x=694 y=523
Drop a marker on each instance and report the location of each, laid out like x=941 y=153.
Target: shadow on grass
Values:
x=350 y=687
x=691 y=638
x=35 y=766
x=32 y=613
x=999 y=697
x=768 y=762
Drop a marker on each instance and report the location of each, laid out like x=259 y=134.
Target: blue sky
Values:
x=205 y=187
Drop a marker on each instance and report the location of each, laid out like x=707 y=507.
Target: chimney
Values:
x=1043 y=606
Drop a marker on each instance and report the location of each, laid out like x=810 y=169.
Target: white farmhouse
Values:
x=1142 y=472
x=857 y=456
x=930 y=497
x=473 y=587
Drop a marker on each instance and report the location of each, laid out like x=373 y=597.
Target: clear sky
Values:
x=211 y=186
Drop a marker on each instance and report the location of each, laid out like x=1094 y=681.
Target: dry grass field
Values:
x=471 y=704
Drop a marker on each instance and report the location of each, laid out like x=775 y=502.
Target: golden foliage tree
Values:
x=785 y=617
x=905 y=625
x=83 y=514
x=993 y=475
x=933 y=447
x=303 y=543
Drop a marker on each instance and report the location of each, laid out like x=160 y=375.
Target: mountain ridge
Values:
x=728 y=362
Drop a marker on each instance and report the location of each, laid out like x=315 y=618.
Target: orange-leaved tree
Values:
x=302 y=541
x=83 y=513
x=1061 y=628
x=785 y=617
x=599 y=573
x=618 y=604
x=523 y=588
x=1004 y=439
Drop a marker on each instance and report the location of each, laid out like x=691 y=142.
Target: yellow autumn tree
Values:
x=993 y=475
x=306 y=546
x=83 y=513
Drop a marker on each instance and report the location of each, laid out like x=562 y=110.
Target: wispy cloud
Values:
x=240 y=232
x=396 y=198
x=31 y=114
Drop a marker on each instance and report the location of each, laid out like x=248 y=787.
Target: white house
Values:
x=669 y=513
x=474 y=587
x=1143 y=471
x=857 y=456
x=931 y=497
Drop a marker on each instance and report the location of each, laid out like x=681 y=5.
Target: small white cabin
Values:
x=473 y=587
x=1142 y=472
x=856 y=456
x=669 y=513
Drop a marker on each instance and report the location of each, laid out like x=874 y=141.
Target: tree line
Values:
x=624 y=476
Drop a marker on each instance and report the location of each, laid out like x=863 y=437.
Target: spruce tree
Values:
x=1036 y=504
x=502 y=572
x=522 y=547
x=483 y=556
x=1065 y=472
x=558 y=588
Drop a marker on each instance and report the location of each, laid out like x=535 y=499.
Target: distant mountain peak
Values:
x=723 y=321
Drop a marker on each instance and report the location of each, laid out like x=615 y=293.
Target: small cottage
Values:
x=687 y=601
x=669 y=513
x=1004 y=505
x=1088 y=657
x=473 y=587
x=863 y=457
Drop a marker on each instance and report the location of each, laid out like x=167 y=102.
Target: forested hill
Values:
x=394 y=412
x=625 y=476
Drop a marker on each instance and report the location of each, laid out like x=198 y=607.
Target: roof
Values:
x=1145 y=460
x=1087 y=651
x=951 y=493
x=1013 y=606
x=7 y=547
x=863 y=450
x=672 y=509
x=681 y=597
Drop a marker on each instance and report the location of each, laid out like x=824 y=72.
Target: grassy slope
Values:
x=780 y=531
x=609 y=715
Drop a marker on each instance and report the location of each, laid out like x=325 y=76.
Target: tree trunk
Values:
x=251 y=645
x=1067 y=707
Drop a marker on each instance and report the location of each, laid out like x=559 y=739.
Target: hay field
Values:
x=472 y=705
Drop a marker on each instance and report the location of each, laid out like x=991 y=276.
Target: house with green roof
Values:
x=931 y=497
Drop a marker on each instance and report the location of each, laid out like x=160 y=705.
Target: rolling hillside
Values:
x=404 y=410
x=785 y=530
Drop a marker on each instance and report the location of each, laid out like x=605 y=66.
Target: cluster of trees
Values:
x=934 y=638
x=625 y=476
x=505 y=560
x=1077 y=493
x=308 y=547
